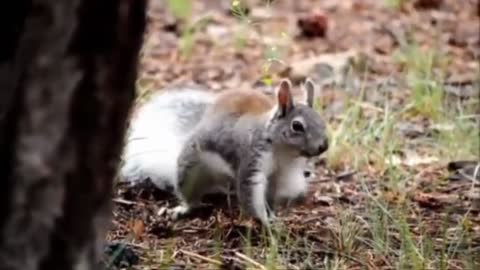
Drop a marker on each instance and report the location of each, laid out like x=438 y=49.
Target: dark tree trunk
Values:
x=67 y=73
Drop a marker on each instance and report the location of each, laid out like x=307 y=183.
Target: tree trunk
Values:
x=67 y=74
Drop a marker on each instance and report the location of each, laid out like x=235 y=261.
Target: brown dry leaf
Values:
x=323 y=200
x=313 y=25
x=138 y=228
x=384 y=45
x=419 y=160
x=325 y=68
x=392 y=197
x=428 y=4
x=248 y=222
x=434 y=200
x=410 y=129
x=412 y=159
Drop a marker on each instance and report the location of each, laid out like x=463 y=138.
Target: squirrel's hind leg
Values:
x=199 y=173
x=189 y=177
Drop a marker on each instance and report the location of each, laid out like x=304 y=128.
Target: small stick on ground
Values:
x=201 y=257
x=123 y=201
x=250 y=260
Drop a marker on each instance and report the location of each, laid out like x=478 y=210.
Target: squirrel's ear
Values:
x=309 y=87
x=284 y=96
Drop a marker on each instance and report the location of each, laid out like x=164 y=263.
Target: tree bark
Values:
x=67 y=74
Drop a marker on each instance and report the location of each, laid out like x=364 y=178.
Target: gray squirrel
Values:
x=157 y=133
x=235 y=140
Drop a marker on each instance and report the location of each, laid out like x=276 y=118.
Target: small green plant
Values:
x=273 y=53
x=346 y=233
x=240 y=12
x=187 y=40
x=395 y=4
x=339 y=143
x=166 y=257
x=458 y=140
x=424 y=72
x=410 y=255
x=182 y=10
x=335 y=263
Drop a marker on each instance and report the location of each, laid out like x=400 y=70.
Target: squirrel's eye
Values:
x=297 y=126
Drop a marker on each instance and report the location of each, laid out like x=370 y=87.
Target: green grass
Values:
x=424 y=76
x=395 y=4
x=392 y=237
x=358 y=142
x=182 y=10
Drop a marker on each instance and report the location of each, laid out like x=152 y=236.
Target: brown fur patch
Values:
x=243 y=102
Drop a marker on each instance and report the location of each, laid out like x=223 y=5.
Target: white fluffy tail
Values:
x=157 y=134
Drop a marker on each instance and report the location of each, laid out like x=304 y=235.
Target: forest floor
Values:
x=399 y=187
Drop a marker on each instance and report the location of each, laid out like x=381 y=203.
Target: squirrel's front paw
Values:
x=268 y=219
x=274 y=220
x=174 y=213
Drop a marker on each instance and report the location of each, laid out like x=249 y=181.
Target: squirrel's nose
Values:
x=323 y=146
x=317 y=148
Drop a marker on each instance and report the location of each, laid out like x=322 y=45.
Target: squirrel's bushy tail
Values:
x=157 y=134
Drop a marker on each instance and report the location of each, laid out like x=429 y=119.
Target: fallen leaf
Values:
x=412 y=159
x=466 y=91
x=345 y=176
x=410 y=130
x=390 y=196
x=384 y=45
x=434 y=200
x=138 y=228
x=442 y=127
x=323 y=200
x=419 y=160
x=324 y=68
x=313 y=25
x=428 y=4
x=217 y=31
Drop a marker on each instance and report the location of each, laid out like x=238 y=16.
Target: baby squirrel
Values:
x=259 y=148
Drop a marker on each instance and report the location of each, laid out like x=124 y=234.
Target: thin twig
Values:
x=472 y=177
x=292 y=266
x=135 y=245
x=123 y=201
x=470 y=116
x=237 y=260
x=201 y=257
x=320 y=180
x=365 y=105
x=250 y=260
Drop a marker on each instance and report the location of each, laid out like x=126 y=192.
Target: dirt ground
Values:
x=420 y=209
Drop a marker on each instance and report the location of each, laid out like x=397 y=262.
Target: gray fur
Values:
x=310 y=89
x=255 y=151
x=157 y=133
x=190 y=113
